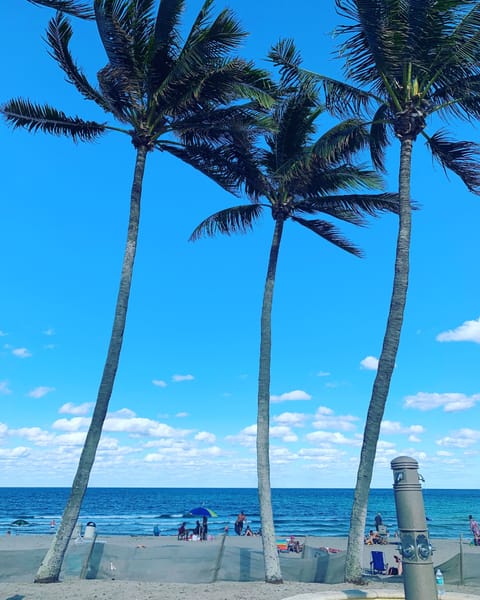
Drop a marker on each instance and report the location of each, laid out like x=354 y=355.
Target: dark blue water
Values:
x=135 y=511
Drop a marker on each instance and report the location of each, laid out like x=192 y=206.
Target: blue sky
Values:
x=183 y=411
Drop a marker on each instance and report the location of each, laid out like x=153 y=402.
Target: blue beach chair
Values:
x=378 y=564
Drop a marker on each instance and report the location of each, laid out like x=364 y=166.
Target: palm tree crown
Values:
x=412 y=60
x=297 y=175
x=155 y=83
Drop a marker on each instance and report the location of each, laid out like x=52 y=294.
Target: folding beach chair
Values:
x=378 y=564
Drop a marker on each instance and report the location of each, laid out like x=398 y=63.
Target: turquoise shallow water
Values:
x=135 y=511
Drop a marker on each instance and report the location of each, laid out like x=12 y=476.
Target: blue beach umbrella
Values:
x=201 y=511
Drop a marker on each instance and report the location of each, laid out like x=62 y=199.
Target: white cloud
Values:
x=451 y=402
x=291 y=419
x=324 y=419
x=294 y=395
x=177 y=378
x=71 y=424
x=159 y=383
x=76 y=438
x=463 y=438
x=328 y=437
x=40 y=391
x=19 y=452
x=80 y=409
x=4 y=389
x=182 y=415
x=21 y=352
x=323 y=374
x=284 y=433
x=49 y=331
x=2 y=333
x=35 y=435
x=394 y=427
x=205 y=436
x=369 y=363
x=469 y=331
x=247 y=437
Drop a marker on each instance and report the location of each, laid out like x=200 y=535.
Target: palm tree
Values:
x=295 y=176
x=411 y=60
x=183 y=99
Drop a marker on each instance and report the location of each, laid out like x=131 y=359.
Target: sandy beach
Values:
x=19 y=556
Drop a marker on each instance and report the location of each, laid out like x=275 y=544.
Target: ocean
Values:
x=135 y=511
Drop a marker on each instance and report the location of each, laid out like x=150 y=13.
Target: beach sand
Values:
x=21 y=587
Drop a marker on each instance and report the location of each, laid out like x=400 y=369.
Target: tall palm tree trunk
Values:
x=386 y=364
x=49 y=570
x=272 y=563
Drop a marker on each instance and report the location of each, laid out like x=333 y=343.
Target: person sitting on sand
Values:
x=196 y=529
x=248 y=531
x=182 y=532
x=373 y=537
x=294 y=545
x=398 y=570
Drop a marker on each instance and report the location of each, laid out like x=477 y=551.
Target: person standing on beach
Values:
x=204 y=529
x=239 y=523
x=378 y=521
x=475 y=529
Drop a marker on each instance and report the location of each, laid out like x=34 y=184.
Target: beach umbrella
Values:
x=202 y=511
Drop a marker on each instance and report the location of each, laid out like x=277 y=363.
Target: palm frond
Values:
x=294 y=120
x=237 y=219
x=204 y=72
x=375 y=36
x=72 y=7
x=341 y=142
x=285 y=56
x=120 y=93
x=207 y=42
x=351 y=204
x=233 y=166
x=455 y=30
x=461 y=157
x=330 y=233
x=216 y=125
x=226 y=80
x=111 y=18
x=167 y=41
x=379 y=136
x=33 y=117
x=460 y=98
x=343 y=99
x=59 y=34
x=311 y=207
x=325 y=181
